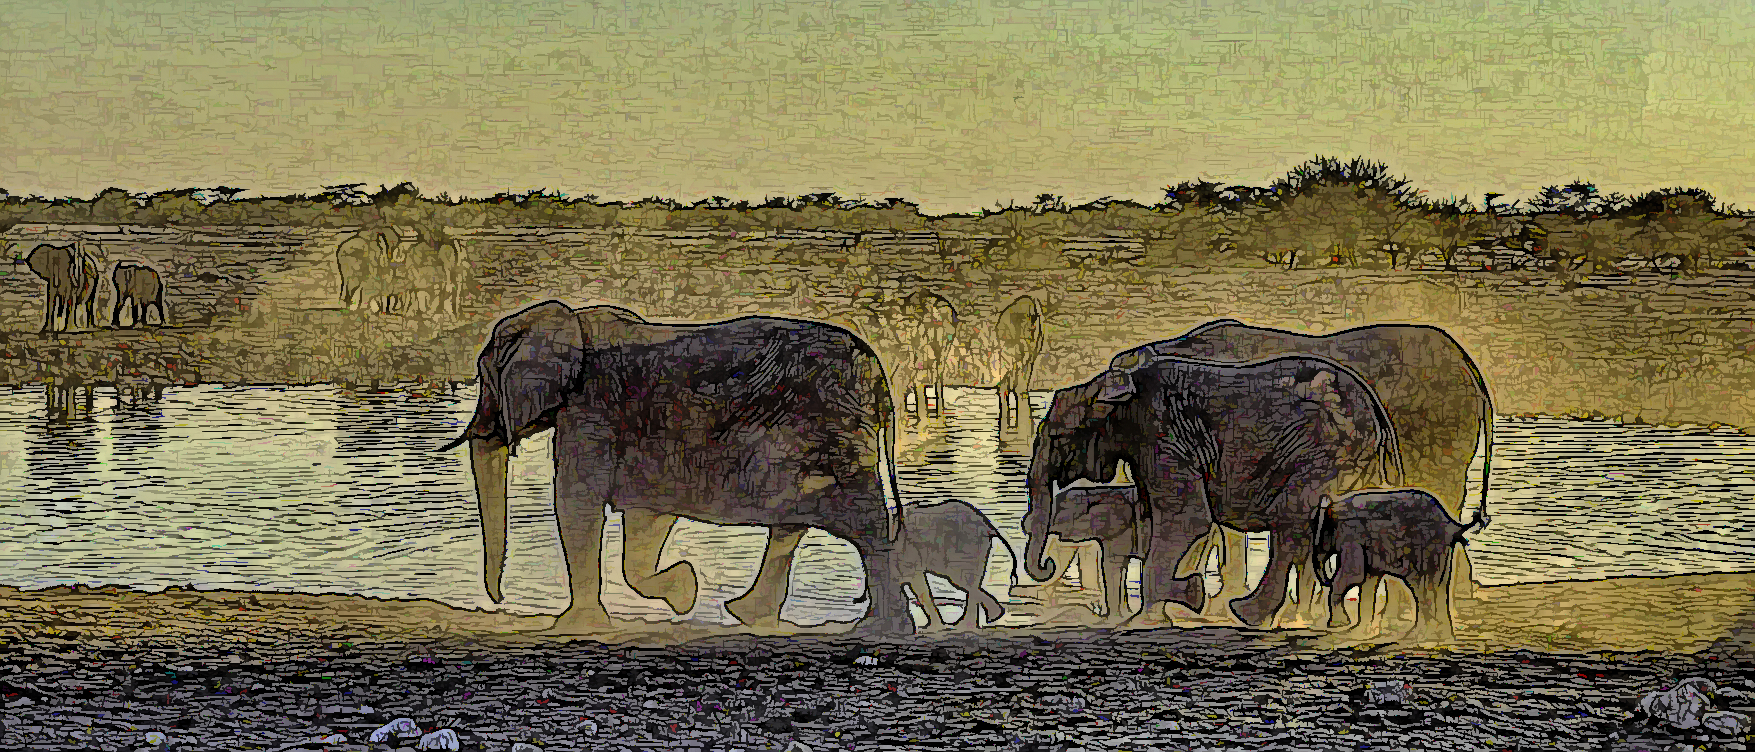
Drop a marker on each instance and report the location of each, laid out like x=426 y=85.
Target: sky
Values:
x=954 y=104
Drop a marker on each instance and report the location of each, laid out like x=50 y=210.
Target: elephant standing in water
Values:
x=930 y=323
x=1249 y=446
x=1432 y=388
x=1020 y=344
x=757 y=420
x=73 y=279
x=369 y=268
x=139 y=288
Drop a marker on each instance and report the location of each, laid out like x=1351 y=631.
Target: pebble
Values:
x=402 y=727
x=442 y=739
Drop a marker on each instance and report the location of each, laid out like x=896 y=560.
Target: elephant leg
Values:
x=760 y=605
x=1349 y=571
x=863 y=520
x=644 y=533
x=1233 y=572
x=582 y=489
x=1302 y=611
x=1288 y=546
x=1370 y=623
x=1180 y=516
x=116 y=316
x=929 y=605
x=1114 y=580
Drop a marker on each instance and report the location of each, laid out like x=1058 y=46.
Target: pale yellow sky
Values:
x=953 y=104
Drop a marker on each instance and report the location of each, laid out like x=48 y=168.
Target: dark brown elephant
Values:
x=73 y=280
x=1432 y=388
x=757 y=420
x=138 y=288
x=1020 y=344
x=1251 y=446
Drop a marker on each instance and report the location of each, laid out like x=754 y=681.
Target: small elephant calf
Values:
x=950 y=539
x=1402 y=532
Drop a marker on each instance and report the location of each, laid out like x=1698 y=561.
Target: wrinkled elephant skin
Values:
x=1249 y=446
x=752 y=421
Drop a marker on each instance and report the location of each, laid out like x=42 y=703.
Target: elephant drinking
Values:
x=1250 y=446
x=757 y=420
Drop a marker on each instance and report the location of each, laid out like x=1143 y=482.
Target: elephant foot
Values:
x=752 y=613
x=581 y=622
x=1151 y=616
x=877 y=627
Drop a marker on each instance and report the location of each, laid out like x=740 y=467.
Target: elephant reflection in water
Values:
x=757 y=420
x=67 y=400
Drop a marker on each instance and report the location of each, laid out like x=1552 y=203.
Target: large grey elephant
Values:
x=73 y=277
x=138 y=287
x=1020 y=344
x=370 y=274
x=756 y=420
x=929 y=323
x=1432 y=388
x=1250 y=446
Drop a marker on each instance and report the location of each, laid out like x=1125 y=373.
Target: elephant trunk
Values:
x=1037 y=519
x=488 y=461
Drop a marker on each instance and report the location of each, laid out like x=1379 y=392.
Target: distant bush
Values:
x=1324 y=212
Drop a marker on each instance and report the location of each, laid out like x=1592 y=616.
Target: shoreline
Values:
x=100 y=668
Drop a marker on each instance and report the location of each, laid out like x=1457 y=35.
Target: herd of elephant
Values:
x=382 y=273
x=1349 y=450
x=73 y=277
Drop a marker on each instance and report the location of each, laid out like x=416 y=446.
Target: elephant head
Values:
x=534 y=362
x=1074 y=443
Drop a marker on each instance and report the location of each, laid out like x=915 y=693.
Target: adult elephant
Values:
x=765 y=421
x=429 y=265
x=72 y=275
x=1251 y=446
x=1433 y=390
x=1020 y=342
x=365 y=263
x=930 y=325
x=138 y=287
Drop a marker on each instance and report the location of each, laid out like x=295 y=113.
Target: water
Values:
x=317 y=490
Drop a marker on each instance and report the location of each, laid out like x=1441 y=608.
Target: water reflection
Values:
x=321 y=489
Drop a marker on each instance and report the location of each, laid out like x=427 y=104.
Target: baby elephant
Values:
x=950 y=539
x=1402 y=532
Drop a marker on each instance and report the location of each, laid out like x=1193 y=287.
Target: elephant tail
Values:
x=1486 y=433
x=1017 y=561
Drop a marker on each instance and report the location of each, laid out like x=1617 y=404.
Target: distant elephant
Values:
x=1020 y=344
x=756 y=420
x=138 y=287
x=1432 y=388
x=428 y=263
x=951 y=539
x=1405 y=533
x=73 y=280
x=1248 y=446
x=930 y=325
x=367 y=273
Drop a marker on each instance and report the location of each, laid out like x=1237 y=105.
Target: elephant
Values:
x=139 y=288
x=73 y=280
x=1108 y=515
x=756 y=420
x=1020 y=344
x=1434 y=392
x=430 y=265
x=1406 y=533
x=369 y=274
x=1251 y=446
x=930 y=325
x=951 y=539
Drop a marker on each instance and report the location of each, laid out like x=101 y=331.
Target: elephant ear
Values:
x=1115 y=387
x=532 y=362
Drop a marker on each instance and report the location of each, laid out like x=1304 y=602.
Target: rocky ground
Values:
x=116 y=670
